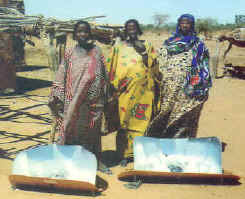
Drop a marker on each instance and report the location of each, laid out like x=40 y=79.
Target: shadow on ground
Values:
x=9 y=140
x=29 y=68
x=9 y=153
x=110 y=158
x=29 y=84
x=8 y=114
x=53 y=190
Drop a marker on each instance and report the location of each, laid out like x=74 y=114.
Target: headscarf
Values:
x=198 y=79
x=192 y=21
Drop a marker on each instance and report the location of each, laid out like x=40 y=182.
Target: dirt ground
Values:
x=25 y=121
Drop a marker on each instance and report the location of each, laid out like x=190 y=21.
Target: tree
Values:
x=160 y=19
x=240 y=20
x=206 y=25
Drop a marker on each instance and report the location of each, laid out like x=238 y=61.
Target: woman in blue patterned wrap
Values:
x=184 y=64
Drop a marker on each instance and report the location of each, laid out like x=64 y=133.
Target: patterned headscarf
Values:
x=192 y=21
x=198 y=79
x=179 y=43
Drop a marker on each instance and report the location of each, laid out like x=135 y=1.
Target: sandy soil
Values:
x=25 y=122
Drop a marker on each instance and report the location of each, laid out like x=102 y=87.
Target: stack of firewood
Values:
x=13 y=20
x=10 y=19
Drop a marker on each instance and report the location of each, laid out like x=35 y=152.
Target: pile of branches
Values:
x=12 y=20
x=101 y=32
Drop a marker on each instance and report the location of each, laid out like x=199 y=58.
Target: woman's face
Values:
x=185 y=26
x=82 y=33
x=132 y=30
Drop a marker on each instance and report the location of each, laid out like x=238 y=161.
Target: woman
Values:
x=184 y=64
x=80 y=86
x=130 y=67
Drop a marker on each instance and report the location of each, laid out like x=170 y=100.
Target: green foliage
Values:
x=165 y=28
x=160 y=19
x=205 y=25
x=240 y=20
x=202 y=25
x=147 y=27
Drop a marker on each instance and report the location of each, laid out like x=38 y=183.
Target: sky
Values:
x=119 y=11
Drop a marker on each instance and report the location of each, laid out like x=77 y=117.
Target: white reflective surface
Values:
x=195 y=155
x=57 y=162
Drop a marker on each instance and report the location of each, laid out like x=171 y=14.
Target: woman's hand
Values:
x=222 y=38
x=139 y=47
x=94 y=117
x=57 y=107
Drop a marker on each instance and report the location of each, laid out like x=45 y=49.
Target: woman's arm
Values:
x=57 y=95
x=239 y=43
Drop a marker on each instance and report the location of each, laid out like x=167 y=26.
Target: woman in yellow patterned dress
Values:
x=130 y=66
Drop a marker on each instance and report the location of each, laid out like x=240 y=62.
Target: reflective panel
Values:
x=57 y=162
x=187 y=155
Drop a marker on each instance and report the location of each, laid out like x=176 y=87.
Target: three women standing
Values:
x=81 y=84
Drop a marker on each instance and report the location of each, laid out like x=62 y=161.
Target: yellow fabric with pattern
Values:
x=135 y=86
